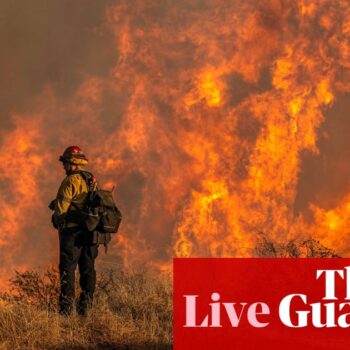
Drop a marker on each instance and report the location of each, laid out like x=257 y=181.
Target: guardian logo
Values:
x=262 y=304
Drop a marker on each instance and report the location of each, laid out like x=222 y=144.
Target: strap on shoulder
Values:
x=91 y=184
x=84 y=174
x=88 y=178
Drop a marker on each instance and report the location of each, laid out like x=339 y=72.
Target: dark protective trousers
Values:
x=76 y=250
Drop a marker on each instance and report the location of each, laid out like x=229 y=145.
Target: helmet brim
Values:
x=74 y=160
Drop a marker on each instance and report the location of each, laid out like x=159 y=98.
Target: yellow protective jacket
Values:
x=72 y=190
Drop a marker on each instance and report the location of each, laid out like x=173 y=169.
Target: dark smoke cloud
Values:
x=49 y=42
x=325 y=177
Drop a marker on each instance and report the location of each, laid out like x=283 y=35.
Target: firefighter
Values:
x=74 y=241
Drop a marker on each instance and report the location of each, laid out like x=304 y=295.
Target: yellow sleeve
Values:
x=65 y=195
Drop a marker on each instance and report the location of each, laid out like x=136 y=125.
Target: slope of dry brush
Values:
x=131 y=311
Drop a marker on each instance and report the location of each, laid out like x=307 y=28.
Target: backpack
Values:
x=99 y=215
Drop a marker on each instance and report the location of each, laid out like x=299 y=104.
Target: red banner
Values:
x=261 y=304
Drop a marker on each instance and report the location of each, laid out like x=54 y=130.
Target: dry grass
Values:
x=131 y=311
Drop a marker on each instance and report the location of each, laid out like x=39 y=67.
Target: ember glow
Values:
x=206 y=116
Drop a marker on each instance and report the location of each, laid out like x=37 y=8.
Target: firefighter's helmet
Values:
x=73 y=155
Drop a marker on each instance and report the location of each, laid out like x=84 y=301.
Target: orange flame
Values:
x=202 y=124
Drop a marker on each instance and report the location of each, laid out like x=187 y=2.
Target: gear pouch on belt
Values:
x=87 y=217
x=91 y=218
x=100 y=238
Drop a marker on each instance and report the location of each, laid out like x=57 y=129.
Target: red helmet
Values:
x=73 y=155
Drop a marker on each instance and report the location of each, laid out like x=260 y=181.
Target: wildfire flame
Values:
x=203 y=123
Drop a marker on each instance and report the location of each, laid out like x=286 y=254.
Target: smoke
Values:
x=325 y=177
x=56 y=43
x=215 y=120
